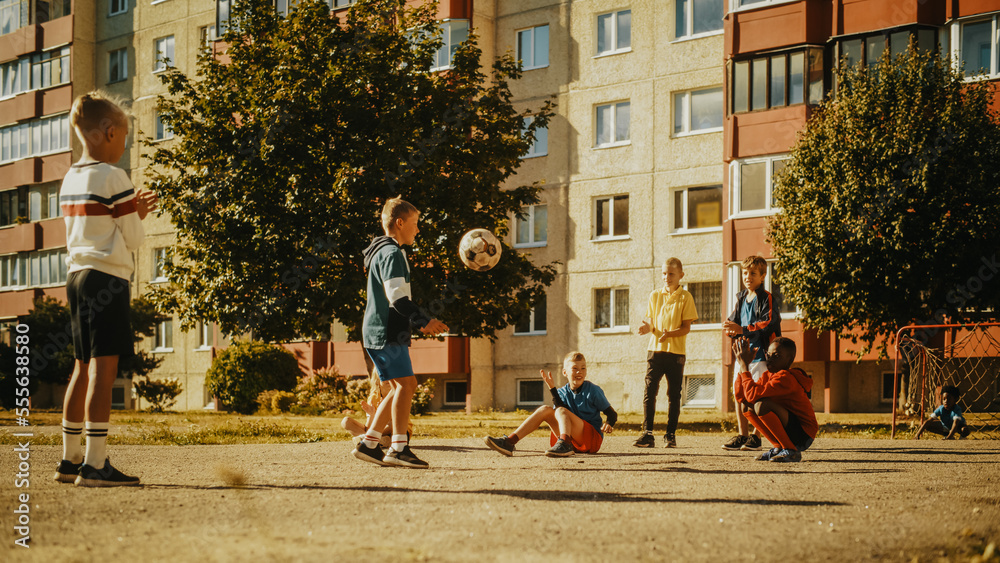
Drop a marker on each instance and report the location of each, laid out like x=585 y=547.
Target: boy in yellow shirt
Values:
x=668 y=319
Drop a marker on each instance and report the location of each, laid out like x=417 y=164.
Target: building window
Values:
x=13 y=271
x=697 y=208
x=454 y=393
x=15 y=77
x=699 y=111
x=116 y=7
x=611 y=217
x=699 y=391
x=541 y=145
x=163 y=53
x=161 y=256
x=163 y=130
x=204 y=336
x=530 y=393
x=34 y=72
x=223 y=11
x=612 y=125
x=34 y=138
x=534 y=322
x=707 y=301
x=978 y=45
x=206 y=36
x=787 y=309
x=697 y=17
x=614 y=33
x=752 y=183
x=341 y=3
x=46 y=268
x=455 y=32
x=737 y=4
x=533 y=47
x=777 y=80
x=866 y=51
x=11 y=207
x=43 y=202
x=611 y=309
x=13 y=15
x=163 y=339
x=117 y=65
x=531 y=226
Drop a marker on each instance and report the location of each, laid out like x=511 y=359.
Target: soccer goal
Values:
x=931 y=356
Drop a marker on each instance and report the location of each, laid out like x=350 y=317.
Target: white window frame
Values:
x=122 y=65
x=207 y=35
x=614 y=34
x=703 y=404
x=521 y=402
x=15 y=267
x=529 y=212
x=122 y=7
x=956 y=32
x=447 y=28
x=444 y=397
x=532 y=330
x=204 y=336
x=161 y=131
x=722 y=311
x=689 y=23
x=160 y=54
x=29 y=136
x=611 y=219
x=734 y=5
x=685 y=98
x=161 y=256
x=734 y=284
x=532 y=33
x=163 y=329
x=613 y=329
x=735 y=181
x=684 y=230
x=614 y=125
x=541 y=145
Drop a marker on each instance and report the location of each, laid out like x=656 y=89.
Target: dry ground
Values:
x=850 y=499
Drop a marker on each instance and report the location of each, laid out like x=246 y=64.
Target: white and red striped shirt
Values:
x=102 y=223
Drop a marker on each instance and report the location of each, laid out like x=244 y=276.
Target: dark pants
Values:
x=659 y=364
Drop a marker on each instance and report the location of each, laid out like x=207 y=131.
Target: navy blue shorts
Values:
x=99 y=315
x=391 y=362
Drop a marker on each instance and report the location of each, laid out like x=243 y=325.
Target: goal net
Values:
x=929 y=357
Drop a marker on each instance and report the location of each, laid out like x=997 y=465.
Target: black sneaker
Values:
x=107 y=476
x=645 y=441
x=373 y=455
x=405 y=458
x=669 y=441
x=752 y=443
x=735 y=443
x=501 y=445
x=561 y=449
x=67 y=472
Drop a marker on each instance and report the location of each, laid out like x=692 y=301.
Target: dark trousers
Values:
x=659 y=364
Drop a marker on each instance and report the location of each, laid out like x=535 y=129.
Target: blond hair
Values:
x=93 y=112
x=755 y=262
x=675 y=262
x=574 y=357
x=396 y=208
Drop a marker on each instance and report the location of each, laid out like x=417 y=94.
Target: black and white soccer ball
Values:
x=479 y=249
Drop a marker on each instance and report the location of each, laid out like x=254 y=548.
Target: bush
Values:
x=282 y=401
x=161 y=394
x=422 y=398
x=241 y=372
x=358 y=390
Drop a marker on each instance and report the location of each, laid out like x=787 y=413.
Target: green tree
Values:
x=144 y=318
x=244 y=370
x=889 y=203
x=287 y=149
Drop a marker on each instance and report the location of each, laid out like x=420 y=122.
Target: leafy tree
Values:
x=889 y=203
x=144 y=318
x=161 y=394
x=287 y=149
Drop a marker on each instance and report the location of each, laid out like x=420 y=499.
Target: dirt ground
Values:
x=849 y=500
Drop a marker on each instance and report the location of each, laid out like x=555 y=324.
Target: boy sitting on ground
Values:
x=575 y=414
x=778 y=403
x=947 y=419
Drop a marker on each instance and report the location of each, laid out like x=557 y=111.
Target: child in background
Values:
x=947 y=419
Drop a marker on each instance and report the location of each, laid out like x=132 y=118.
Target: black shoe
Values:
x=373 y=455
x=561 y=449
x=501 y=445
x=645 y=441
x=669 y=441
x=752 y=443
x=735 y=443
x=405 y=458
x=107 y=476
x=67 y=472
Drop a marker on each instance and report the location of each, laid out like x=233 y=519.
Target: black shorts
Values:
x=99 y=315
x=798 y=436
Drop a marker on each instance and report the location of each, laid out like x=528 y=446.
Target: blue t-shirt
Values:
x=748 y=316
x=587 y=403
x=947 y=417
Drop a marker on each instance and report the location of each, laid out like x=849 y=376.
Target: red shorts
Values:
x=589 y=443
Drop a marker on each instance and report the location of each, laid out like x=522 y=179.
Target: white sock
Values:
x=399 y=442
x=97 y=444
x=72 y=441
x=371 y=438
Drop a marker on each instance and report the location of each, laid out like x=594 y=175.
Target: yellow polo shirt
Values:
x=667 y=311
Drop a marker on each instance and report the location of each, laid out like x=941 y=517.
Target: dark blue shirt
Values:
x=587 y=403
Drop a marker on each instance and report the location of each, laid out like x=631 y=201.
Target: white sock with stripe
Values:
x=72 y=441
x=97 y=444
x=399 y=442
x=371 y=438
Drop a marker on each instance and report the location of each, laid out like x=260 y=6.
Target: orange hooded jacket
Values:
x=788 y=388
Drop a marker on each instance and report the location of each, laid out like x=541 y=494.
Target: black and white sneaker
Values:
x=106 y=476
x=405 y=458
x=561 y=449
x=372 y=455
x=645 y=441
x=501 y=445
x=67 y=472
x=735 y=443
x=669 y=441
x=752 y=443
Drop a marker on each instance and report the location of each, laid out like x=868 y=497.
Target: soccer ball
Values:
x=479 y=249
